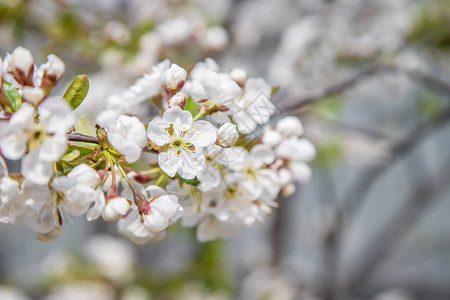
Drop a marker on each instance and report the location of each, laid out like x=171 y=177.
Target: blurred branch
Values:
x=375 y=134
x=300 y=101
x=359 y=189
x=415 y=75
x=352 y=203
x=385 y=241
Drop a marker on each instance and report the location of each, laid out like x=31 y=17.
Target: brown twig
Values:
x=78 y=137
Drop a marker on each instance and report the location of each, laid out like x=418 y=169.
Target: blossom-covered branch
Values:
x=220 y=162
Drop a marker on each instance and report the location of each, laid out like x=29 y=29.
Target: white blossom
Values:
x=217 y=88
x=163 y=209
x=289 y=126
x=256 y=108
x=39 y=142
x=131 y=227
x=297 y=152
x=183 y=139
x=175 y=77
x=79 y=188
x=227 y=135
x=115 y=208
x=128 y=137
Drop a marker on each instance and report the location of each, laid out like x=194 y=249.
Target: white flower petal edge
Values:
x=128 y=137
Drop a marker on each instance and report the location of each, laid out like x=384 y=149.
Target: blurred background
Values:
x=369 y=80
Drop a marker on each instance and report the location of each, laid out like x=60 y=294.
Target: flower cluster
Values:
x=201 y=157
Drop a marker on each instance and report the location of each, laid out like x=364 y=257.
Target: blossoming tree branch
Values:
x=200 y=147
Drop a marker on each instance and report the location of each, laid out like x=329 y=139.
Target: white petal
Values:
x=169 y=162
x=211 y=229
x=191 y=164
x=94 y=212
x=157 y=133
x=84 y=175
x=300 y=171
x=262 y=154
x=181 y=119
x=154 y=190
x=53 y=147
x=56 y=115
x=203 y=134
x=209 y=178
x=36 y=170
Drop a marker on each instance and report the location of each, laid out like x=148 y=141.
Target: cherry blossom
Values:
x=183 y=140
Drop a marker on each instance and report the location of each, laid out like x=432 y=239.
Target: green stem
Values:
x=163 y=177
x=200 y=114
x=151 y=171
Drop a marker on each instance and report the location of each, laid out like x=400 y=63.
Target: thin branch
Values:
x=425 y=79
x=78 y=137
x=360 y=188
x=420 y=199
x=300 y=101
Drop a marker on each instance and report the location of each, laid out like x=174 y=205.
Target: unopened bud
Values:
x=115 y=208
x=239 y=75
x=284 y=176
x=175 y=78
x=287 y=190
x=227 y=135
x=178 y=100
x=20 y=65
x=289 y=126
x=271 y=138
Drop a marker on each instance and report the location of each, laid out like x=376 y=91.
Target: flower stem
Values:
x=200 y=114
x=161 y=179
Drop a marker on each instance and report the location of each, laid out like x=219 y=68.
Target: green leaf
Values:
x=13 y=95
x=81 y=149
x=193 y=181
x=191 y=106
x=70 y=156
x=77 y=91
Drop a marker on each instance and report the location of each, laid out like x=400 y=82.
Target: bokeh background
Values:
x=369 y=80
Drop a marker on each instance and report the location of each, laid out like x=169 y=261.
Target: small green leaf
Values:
x=83 y=150
x=71 y=155
x=191 y=106
x=13 y=95
x=77 y=91
x=193 y=181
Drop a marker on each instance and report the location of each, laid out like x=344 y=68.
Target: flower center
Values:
x=250 y=172
x=232 y=191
